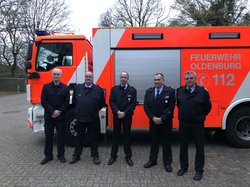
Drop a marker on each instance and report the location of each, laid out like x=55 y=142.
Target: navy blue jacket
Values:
x=88 y=102
x=123 y=100
x=193 y=107
x=163 y=106
x=55 y=97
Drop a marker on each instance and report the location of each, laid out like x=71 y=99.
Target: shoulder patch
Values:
x=205 y=88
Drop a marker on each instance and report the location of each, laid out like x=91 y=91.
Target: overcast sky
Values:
x=86 y=13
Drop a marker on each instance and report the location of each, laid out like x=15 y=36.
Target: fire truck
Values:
x=220 y=56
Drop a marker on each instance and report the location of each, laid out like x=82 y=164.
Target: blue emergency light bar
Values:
x=41 y=33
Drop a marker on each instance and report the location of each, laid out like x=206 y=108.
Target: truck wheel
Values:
x=238 y=127
x=70 y=128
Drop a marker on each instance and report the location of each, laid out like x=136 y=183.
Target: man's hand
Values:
x=157 y=121
x=120 y=114
x=56 y=114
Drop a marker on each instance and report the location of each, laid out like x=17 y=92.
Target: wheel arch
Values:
x=234 y=106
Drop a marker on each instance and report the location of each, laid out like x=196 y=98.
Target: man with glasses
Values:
x=55 y=100
x=123 y=102
x=194 y=105
x=88 y=99
x=159 y=102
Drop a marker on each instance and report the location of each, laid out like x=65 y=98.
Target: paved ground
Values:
x=21 y=150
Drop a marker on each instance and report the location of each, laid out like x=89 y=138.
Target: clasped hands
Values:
x=120 y=114
x=157 y=121
x=56 y=114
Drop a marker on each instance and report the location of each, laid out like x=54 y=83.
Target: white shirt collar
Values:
x=125 y=86
x=192 y=88
x=88 y=86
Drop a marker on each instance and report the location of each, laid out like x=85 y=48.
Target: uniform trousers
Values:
x=161 y=133
x=126 y=124
x=93 y=130
x=49 y=128
x=197 y=132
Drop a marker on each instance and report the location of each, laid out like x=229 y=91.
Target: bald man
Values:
x=122 y=101
x=55 y=100
x=88 y=99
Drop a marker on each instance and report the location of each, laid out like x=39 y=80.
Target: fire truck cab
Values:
x=73 y=55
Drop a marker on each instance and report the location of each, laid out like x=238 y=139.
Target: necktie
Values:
x=122 y=87
x=189 y=90
x=157 y=93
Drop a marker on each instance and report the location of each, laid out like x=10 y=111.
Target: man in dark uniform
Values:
x=194 y=105
x=123 y=102
x=88 y=99
x=55 y=100
x=159 y=102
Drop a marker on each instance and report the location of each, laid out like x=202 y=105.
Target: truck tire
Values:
x=70 y=128
x=238 y=127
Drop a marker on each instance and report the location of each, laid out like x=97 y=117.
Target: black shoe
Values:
x=74 y=159
x=168 y=168
x=129 y=161
x=62 y=159
x=150 y=164
x=96 y=160
x=111 y=160
x=181 y=172
x=198 y=176
x=46 y=160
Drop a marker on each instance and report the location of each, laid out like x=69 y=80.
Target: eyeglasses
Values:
x=88 y=76
x=190 y=78
x=56 y=74
x=157 y=79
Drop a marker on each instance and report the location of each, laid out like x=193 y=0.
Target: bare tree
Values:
x=3 y=4
x=135 y=13
x=49 y=15
x=20 y=19
x=211 y=12
x=11 y=40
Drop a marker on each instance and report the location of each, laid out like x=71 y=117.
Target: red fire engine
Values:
x=219 y=55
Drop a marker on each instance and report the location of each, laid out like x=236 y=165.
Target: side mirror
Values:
x=33 y=75
x=29 y=56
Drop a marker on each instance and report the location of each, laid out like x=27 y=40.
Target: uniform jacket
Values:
x=123 y=100
x=88 y=102
x=163 y=106
x=193 y=107
x=55 y=97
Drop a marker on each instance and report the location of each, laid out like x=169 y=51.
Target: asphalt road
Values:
x=21 y=151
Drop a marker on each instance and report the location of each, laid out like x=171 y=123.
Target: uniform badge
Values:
x=129 y=97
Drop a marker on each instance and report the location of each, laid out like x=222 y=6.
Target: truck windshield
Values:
x=51 y=55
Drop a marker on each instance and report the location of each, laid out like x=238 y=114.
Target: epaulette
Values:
x=204 y=88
